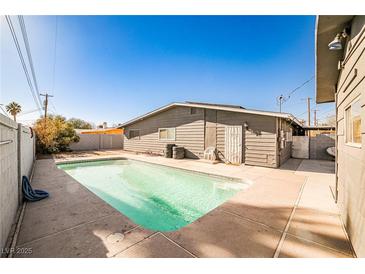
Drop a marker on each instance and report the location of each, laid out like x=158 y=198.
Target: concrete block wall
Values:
x=98 y=141
x=318 y=146
x=16 y=159
x=305 y=147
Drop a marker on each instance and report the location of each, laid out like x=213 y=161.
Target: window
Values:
x=192 y=111
x=134 y=134
x=166 y=134
x=353 y=123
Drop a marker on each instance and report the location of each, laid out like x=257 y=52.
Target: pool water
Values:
x=154 y=196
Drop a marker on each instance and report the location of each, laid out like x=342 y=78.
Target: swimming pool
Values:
x=154 y=196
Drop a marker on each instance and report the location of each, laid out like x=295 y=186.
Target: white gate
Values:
x=233 y=144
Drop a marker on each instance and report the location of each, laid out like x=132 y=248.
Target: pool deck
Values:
x=287 y=212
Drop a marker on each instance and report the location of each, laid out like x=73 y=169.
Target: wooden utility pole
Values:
x=315 y=117
x=309 y=110
x=45 y=103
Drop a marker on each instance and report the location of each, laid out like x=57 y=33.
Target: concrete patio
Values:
x=287 y=212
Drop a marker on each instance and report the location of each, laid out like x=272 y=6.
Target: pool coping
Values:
x=237 y=179
x=248 y=183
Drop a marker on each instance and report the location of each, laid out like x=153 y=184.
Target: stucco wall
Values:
x=351 y=159
x=16 y=159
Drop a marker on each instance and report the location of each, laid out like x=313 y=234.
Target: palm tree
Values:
x=13 y=108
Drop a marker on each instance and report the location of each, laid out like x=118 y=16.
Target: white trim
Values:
x=166 y=128
x=355 y=145
x=348 y=106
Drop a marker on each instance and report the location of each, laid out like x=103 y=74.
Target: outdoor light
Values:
x=336 y=44
x=245 y=125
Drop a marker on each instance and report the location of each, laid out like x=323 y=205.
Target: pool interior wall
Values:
x=154 y=196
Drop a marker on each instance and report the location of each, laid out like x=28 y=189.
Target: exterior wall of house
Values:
x=259 y=139
x=206 y=128
x=351 y=159
x=189 y=132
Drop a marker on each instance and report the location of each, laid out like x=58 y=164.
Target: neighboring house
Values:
x=101 y=131
x=313 y=131
x=340 y=79
x=239 y=135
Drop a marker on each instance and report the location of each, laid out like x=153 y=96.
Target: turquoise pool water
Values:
x=154 y=196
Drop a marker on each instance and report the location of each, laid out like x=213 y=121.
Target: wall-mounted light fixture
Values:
x=336 y=43
x=245 y=125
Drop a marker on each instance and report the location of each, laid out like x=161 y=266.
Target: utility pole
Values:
x=280 y=100
x=315 y=117
x=45 y=107
x=45 y=103
x=309 y=110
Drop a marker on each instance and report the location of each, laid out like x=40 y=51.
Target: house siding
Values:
x=189 y=132
x=259 y=141
x=206 y=128
x=351 y=160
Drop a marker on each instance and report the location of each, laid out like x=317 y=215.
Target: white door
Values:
x=233 y=144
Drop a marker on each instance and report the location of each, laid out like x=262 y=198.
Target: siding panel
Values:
x=189 y=132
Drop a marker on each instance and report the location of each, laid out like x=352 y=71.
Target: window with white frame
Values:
x=134 y=134
x=353 y=122
x=166 y=134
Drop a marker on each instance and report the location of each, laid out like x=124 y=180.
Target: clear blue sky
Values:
x=113 y=68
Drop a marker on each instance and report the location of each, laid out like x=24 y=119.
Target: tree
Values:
x=13 y=108
x=330 y=121
x=54 y=134
x=80 y=124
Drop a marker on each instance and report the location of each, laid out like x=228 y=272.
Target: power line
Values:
x=29 y=54
x=299 y=87
x=53 y=106
x=54 y=56
x=1 y=107
x=282 y=98
x=16 y=42
x=29 y=111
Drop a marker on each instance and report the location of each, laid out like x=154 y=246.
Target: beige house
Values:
x=340 y=65
x=238 y=135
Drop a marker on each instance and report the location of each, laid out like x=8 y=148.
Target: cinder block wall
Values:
x=16 y=159
x=8 y=175
x=318 y=146
x=98 y=141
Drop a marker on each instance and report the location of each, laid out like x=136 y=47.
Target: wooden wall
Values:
x=351 y=159
x=189 y=132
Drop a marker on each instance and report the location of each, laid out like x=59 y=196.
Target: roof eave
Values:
x=327 y=61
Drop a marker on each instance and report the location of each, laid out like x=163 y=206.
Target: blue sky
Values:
x=113 y=68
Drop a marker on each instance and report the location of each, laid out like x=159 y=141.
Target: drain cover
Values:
x=115 y=237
